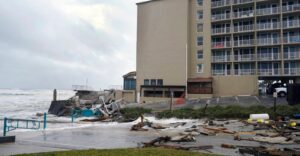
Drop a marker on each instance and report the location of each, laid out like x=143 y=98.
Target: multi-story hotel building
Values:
x=204 y=48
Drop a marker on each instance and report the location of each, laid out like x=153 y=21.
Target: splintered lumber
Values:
x=138 y=127
x=157 y=140
x=178 y=147
x=219 y=130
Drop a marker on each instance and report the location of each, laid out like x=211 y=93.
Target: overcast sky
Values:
x=47 y=44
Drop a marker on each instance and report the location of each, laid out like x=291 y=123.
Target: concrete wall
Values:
x=128 y=96
x=235 y=85
x=161 y=41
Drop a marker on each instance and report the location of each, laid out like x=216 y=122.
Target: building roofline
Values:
x=146 y=2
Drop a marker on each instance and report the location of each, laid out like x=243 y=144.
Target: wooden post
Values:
x=54 y=95
x=4 y=127
x=45 y=120
x=171 y=104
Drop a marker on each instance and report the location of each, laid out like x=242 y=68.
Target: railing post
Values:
x=45 y=120
x=72 y=115
x=5 y=126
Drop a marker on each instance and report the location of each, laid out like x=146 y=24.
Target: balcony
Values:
x=243 y=14
x=268 y=41
x=268 y=26
x=292 y=71
x=244 y=72
x=218 y=45
x=241 y=43
x=242 y=1
x=220 y=17
x=269 y=72
x=292 y=55
x=243 y=28
x=244 y=57
x=291 y=8
x=291 y=39
x=291 y=24
x=267 y=11
x=268 y=56
x=221 y=58
x=221 y=72
x=221 y=3
x=222 y=30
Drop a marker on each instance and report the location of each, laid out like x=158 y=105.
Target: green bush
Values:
x=134 y=113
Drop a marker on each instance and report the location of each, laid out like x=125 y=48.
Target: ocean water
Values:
x=25 y=104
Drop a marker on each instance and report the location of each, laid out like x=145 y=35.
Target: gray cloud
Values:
x=57 y=43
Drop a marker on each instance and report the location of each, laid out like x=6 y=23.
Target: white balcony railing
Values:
x=221 y=72
x=269 y=72
x=218 y=17
x=267 y=56
x=222 y=30
x=241 y=1
x=244 y=71
x=243 y=14
x=244 y=57
x=268 y=41
x=243 y=28
x=220 y=3
x=267 y=11
x=224 y=58
x=267 y=26
x=292 y=55
x=290 y=8
x=221 y=44
x=291 y=23
x=239 y=43
x=291 y=39
x=292 y=71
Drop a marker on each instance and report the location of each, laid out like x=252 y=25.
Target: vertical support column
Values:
x=54 y=95
x=45 y=120
x=281 y=40
x=255 y=40
x=5 y=126
x=72 y=116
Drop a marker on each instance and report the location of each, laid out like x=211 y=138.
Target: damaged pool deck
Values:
x=117 y=135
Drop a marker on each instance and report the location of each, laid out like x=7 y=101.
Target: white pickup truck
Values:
x=281 y=91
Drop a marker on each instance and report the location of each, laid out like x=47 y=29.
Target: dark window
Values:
x=200 y=88
x=146 y=82
x=153 y=82
x=199 y=41
x=199 y=27
x=129 y=84
x=153 y=93
x=200 y=14
x=160 y=82
x=200 y=2
x=200 y=54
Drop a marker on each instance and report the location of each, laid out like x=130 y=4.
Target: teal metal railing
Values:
x=11 y=124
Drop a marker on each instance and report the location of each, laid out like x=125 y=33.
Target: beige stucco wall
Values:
x=235 y=85
x=161 y=41
x=128 y=96
x=193 y=34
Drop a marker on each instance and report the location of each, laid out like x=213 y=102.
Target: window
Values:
x=200 y=14
x=146 y=82
x=200 y=68
x=200 y=2
x=199 y=27
x=200 y=54
x=153 y=82
x=160 y=82
x=199 y=41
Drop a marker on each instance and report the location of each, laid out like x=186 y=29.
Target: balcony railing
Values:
x=238 y=43
x=267 y=26
x=291 y=23
x=221 y=72
x=219 y=17
x=269 y=72
x=243 y=14
x=224 y=58
x=292 y=71
x=292 y=55
x=243 y=28
x=244 y=57
x=244 y=72
x=268 y=56
x=267 y=11
x=268 y=41
x=220 y=3
x=241 y=1
x=290 y=8
x=222 y=30
x=291 y=39
x=221 y=44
